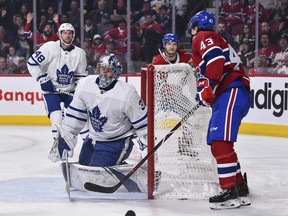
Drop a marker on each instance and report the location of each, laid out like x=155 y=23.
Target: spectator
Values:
x=262 y=67
x=48 y=32
x=110 y=48
x=96 y=50
x=250 y=12
x=90 y=30
x=22 y=45
x=245 y=34
x=74 y=17
x=64 y=18
x=5 y=42
x=246 y=54
x=13 y=59
x=226 y=35
x=105 y=25
x=119 y=36
x=283 y=69
x=24 y=10
x=97 y=13
x=164 y=19
x=42 y=20
x=280 y=56
x=151 y=35
x=283 y=14
x=4 y=68
x=50 y=15
x=5 y=18
x=140 y=16
x=22 y=67
x=265 y=27
x=60 y=6
x=267 y=49
x=232 y=13
x=119 y=12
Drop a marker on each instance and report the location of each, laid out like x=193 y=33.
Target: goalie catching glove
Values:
x=65 y=142
x=205 y=93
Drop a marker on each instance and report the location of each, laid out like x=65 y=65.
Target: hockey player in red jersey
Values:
x=223 y=85
x=171 y=53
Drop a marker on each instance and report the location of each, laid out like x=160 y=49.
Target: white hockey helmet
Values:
x=110 y=62
x=66 y=27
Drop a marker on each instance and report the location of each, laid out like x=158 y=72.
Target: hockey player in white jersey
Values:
x=58 y=66
x=115 y=114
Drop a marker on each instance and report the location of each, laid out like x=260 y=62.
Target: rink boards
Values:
x=21 y=103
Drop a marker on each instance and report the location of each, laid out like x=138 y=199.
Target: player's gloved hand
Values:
x=64 y=148
x=46 y=84
x=205 y=94
x=65 y=142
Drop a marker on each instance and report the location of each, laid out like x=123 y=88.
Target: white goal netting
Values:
x=183 y=165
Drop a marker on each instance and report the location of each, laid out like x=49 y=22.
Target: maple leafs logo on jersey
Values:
x=96 y=120
x=64 y=77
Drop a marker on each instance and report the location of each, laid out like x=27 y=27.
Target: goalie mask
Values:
x=109 y=62
x=66 y=27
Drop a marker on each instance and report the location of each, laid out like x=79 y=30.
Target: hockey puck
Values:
x=130 y=213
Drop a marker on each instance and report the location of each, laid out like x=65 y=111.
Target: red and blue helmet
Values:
x=169 y=37
x=203 y=20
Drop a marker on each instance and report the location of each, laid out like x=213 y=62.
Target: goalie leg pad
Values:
x=105 y=153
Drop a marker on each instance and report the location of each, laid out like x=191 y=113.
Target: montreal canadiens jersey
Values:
x=182 y=57
x=64 y=68
x=111 y=115
x=214 y=58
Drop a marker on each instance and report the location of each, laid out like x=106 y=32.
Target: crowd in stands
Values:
x=237 y=25
x=105 y=30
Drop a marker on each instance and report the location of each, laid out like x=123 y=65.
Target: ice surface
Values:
x=31 y=185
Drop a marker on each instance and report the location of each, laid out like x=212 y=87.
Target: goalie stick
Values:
x=68 y=176
x=103 y=189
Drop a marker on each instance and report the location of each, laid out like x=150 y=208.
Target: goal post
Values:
x=183 y=166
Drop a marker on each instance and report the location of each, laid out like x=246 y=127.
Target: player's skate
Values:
x=243 y=192
x=227 y=199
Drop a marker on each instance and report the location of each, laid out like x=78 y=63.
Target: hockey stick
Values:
x=63 y=92
x=68 y=176
x=103 y=189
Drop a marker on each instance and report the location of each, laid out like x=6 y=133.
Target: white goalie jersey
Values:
x=111 y=115
x=64 y=68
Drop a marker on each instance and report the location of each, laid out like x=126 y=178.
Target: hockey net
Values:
x=183 y=166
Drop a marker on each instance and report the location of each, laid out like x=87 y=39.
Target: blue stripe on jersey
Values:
x=35 y=62
x=72 y=116
x=83 y=132
x=78 y=110
x=214 y=53
x=225 y=170
x=142 y=126
x=139 y=120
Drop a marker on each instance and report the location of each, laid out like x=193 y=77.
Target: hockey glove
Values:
x=65 y=142
x=63 y=147
x=46 y=84
x=204 y=92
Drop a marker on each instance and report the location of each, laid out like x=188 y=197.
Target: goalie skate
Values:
x=227 y=199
